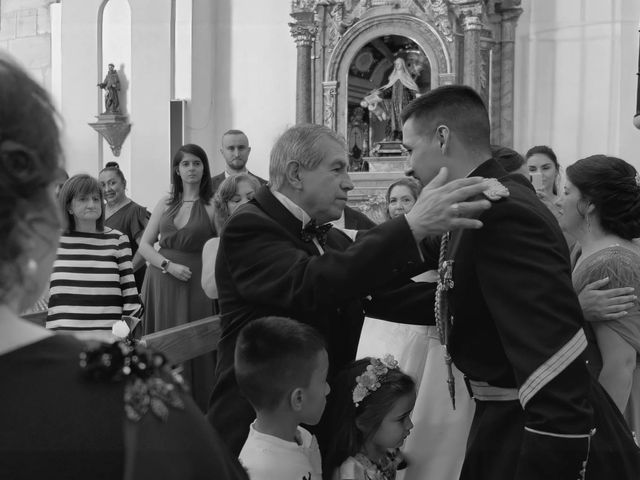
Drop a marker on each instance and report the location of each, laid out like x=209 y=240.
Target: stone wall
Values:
x=25 y=32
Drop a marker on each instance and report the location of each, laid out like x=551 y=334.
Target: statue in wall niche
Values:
x=387 y=102
x=111 y=85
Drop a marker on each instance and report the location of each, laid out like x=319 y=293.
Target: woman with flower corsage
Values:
x=68 y=411
x=368 y=412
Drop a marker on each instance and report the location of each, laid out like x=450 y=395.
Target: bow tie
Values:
x=311 y=230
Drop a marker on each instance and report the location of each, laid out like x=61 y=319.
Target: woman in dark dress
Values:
x=172 y=293
x=69 y=411
x=123 y=214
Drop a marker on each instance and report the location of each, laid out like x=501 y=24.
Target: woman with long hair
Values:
x=181 y=223
x=544 y=171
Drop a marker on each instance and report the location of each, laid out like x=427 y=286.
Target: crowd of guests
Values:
x=331 y=349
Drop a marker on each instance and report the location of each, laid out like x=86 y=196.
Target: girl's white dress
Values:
x=435 y=448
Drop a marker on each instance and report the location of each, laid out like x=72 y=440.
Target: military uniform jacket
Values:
x=518 y=324
x=264 y=268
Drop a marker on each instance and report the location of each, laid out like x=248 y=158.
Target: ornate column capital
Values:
x=303 y=35
x=304 y=29
x=469 y=12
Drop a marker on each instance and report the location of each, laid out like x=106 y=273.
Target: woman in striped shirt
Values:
x=92 y=285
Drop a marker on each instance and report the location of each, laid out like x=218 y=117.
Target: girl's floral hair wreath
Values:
x=370 y=379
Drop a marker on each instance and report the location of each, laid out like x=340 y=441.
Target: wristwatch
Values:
x=164 y=265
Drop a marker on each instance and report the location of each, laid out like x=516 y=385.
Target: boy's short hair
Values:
x=273 y=356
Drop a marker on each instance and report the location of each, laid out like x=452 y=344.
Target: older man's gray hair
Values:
x=299 y=144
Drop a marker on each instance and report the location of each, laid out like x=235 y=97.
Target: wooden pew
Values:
x=179 y=344
x=187 y=341
x=39 y=318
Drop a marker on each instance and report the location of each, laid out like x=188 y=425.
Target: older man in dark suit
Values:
x=235 y=150
x=276 y=257
x=518 y=332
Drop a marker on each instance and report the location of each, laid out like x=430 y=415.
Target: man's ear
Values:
x=296 y=399
x=293 y=175
x=443 y=135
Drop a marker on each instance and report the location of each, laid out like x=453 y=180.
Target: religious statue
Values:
x=387 y=102
x=358 y=141
x=111 y=85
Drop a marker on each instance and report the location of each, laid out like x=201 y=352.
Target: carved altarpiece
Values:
x=347 y=48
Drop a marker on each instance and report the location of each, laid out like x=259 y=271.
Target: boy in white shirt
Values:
x=281 y=366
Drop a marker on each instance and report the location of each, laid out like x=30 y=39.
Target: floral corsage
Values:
x=370 y=379
x=150 y=384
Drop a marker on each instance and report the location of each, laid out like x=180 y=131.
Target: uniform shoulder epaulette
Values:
x=495 y=190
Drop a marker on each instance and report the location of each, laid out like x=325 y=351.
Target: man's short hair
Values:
x=507 y=157
x=234 y=132
x=458 y=107
x=299 y=144
x=273 y=356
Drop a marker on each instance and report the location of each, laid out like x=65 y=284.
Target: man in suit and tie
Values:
x=277 y=256
x=235 y=150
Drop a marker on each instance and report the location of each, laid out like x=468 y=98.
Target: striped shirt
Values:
x=92 y=285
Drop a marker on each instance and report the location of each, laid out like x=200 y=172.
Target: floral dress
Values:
x=360 y=467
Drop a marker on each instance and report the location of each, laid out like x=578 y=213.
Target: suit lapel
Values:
x=274 y=209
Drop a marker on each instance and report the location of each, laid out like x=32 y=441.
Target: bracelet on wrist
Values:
x=164 y=265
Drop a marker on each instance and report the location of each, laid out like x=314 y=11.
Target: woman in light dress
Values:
x=601 y=209
x=436 y=447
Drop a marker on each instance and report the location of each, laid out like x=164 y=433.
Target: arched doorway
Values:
x=384 y=76
x=379 y=40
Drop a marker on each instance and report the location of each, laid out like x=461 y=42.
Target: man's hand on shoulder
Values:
x=442 y=207
x=602 y=305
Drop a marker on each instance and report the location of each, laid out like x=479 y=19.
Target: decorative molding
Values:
x=303 y=35
x=470 y=13
x=305 y=5
x=447 y=78
x=423 y=33
x=304 y=29
x=114 y=129
x=329 y=111
x=440 y=12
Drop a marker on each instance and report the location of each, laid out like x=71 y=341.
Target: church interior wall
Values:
x=575 y=79
x=234 y=63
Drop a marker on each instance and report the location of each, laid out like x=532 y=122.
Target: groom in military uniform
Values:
x=509 y=317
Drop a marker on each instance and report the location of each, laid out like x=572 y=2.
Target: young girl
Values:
x=368 y=412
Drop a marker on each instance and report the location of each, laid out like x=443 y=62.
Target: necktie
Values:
x=312 y=230
x=444 y=319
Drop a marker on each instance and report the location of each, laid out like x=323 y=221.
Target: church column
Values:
x=470 y=15
x=508 y=37
x=303 y=31
x=472 y=26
